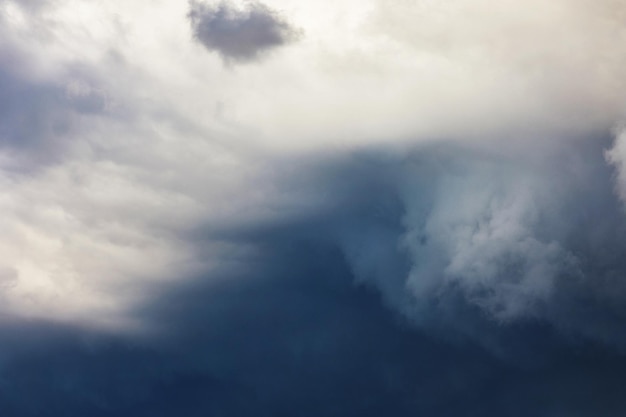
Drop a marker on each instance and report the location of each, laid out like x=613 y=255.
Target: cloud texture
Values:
x=419 y=208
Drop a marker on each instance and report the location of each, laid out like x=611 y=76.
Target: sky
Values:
x=312 y=208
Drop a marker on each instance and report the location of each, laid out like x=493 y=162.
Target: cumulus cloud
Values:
x=239 y=34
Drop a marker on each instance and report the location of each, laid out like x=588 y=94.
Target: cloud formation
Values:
x=462 y=238
x=239 y=34
x=142 y=155
x=533 y=235
x=285 y=331
x=417 y=209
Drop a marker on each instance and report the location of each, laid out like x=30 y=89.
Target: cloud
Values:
x=462 y=238
x=285 y=330
x=130 y=157
x=39 y=118
x=411 y=211
x=534 y=236
x=239 y=35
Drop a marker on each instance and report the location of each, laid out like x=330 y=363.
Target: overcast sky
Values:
x=313 y=208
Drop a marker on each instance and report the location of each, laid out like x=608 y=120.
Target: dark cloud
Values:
x=239 y=35
x=451 y=233
x=465 y=239
x=320 y=310
x=285 y=332
x=281 y=329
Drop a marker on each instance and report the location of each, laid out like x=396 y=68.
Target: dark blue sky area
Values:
x=297 y=338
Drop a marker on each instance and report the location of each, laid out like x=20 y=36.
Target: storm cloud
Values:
x=284 y=330
x=418 y=208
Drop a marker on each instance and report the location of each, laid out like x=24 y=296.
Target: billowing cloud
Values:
x=515 y=237
x=239 y=34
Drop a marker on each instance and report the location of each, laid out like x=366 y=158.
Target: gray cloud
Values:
x=456 y=234
x=285 y=332
x=239 y=35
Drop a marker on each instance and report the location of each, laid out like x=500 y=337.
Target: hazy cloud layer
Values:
x=286 y=332
x=416 y=209
x=239 y=34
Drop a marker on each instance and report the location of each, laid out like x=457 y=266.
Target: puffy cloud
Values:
x=239 y=35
